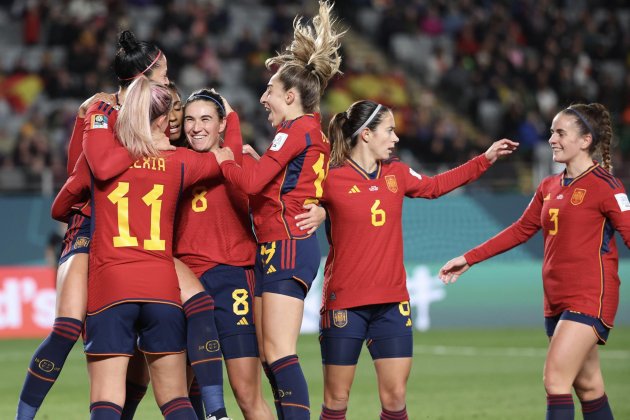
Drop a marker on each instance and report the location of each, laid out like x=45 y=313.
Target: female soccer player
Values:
x=365 y=296
x=132 y=58
x=133 y=285
x=578 y=211
x=288 y=176
x=214 y=239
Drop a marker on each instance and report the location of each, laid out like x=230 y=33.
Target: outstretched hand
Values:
x=500 y=148
x=451 y=271
x=222 y=154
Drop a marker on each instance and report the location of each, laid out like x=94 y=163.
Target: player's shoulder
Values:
x=102 y=107
x=605 y=180
x=303 y=124
x=101 y=115
x=394 y=165
x=392 y=161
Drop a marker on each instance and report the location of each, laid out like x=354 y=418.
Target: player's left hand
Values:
x=500 y=148
x=162 y=142
x=223 y=153
x=311 y=220
x=249 y=150
x=450 y=272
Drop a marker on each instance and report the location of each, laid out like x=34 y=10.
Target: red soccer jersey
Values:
x=580 y=257
x=289 y=175
x=365 y=262
x=213 y=224
x=131 y=256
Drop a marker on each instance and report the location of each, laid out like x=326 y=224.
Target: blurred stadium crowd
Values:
x=459 y=74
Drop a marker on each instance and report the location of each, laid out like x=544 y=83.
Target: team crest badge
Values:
x=392 y=185
x=578 y=196
x=81 y=242
x=340 y=318
x=98 y=121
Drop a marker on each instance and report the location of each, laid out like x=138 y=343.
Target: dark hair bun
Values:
x=127 y=41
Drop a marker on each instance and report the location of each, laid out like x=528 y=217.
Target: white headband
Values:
x=370 y=118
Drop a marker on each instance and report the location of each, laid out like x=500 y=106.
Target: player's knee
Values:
x=337 y=399
x=555 y=383
x=589 y=388
x=246 y=396
x=393 y=396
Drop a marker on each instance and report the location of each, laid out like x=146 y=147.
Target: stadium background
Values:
x=458 y=76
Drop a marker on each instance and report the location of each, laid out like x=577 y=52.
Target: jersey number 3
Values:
x=553 y=217
x=151 y=199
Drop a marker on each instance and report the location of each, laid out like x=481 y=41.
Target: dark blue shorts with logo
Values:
x=287 y=267
x=77 y=237
x=385 y=328
x=232 y=289
x=156 y=328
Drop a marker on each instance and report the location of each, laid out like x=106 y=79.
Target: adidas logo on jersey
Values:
x=242 y=321
x=408 y=324
x=354 y=189
x=271 y=269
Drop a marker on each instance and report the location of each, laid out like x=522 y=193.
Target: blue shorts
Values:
x=601 y=330
x=77 y=237
x=287 y=267
x=158 y=328
x=386 y=329
x=232 y=287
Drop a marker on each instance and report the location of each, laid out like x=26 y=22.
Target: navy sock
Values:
x=178 y=409
x=46 y=365
x=194 y=395
x=560 y=407
x=292 y=388
x=329 y=414
x=133 y=395
x=274 y=389
x=597 y=409
x=394 y=415
x=204 y=351
x=105 y=410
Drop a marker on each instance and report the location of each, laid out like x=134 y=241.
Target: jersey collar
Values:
x=362 y=172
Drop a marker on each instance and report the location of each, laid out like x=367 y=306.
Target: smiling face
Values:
x=567 y=144
x=175 y=117
x=203 y=125
x=274 y=101
x=382 y=140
